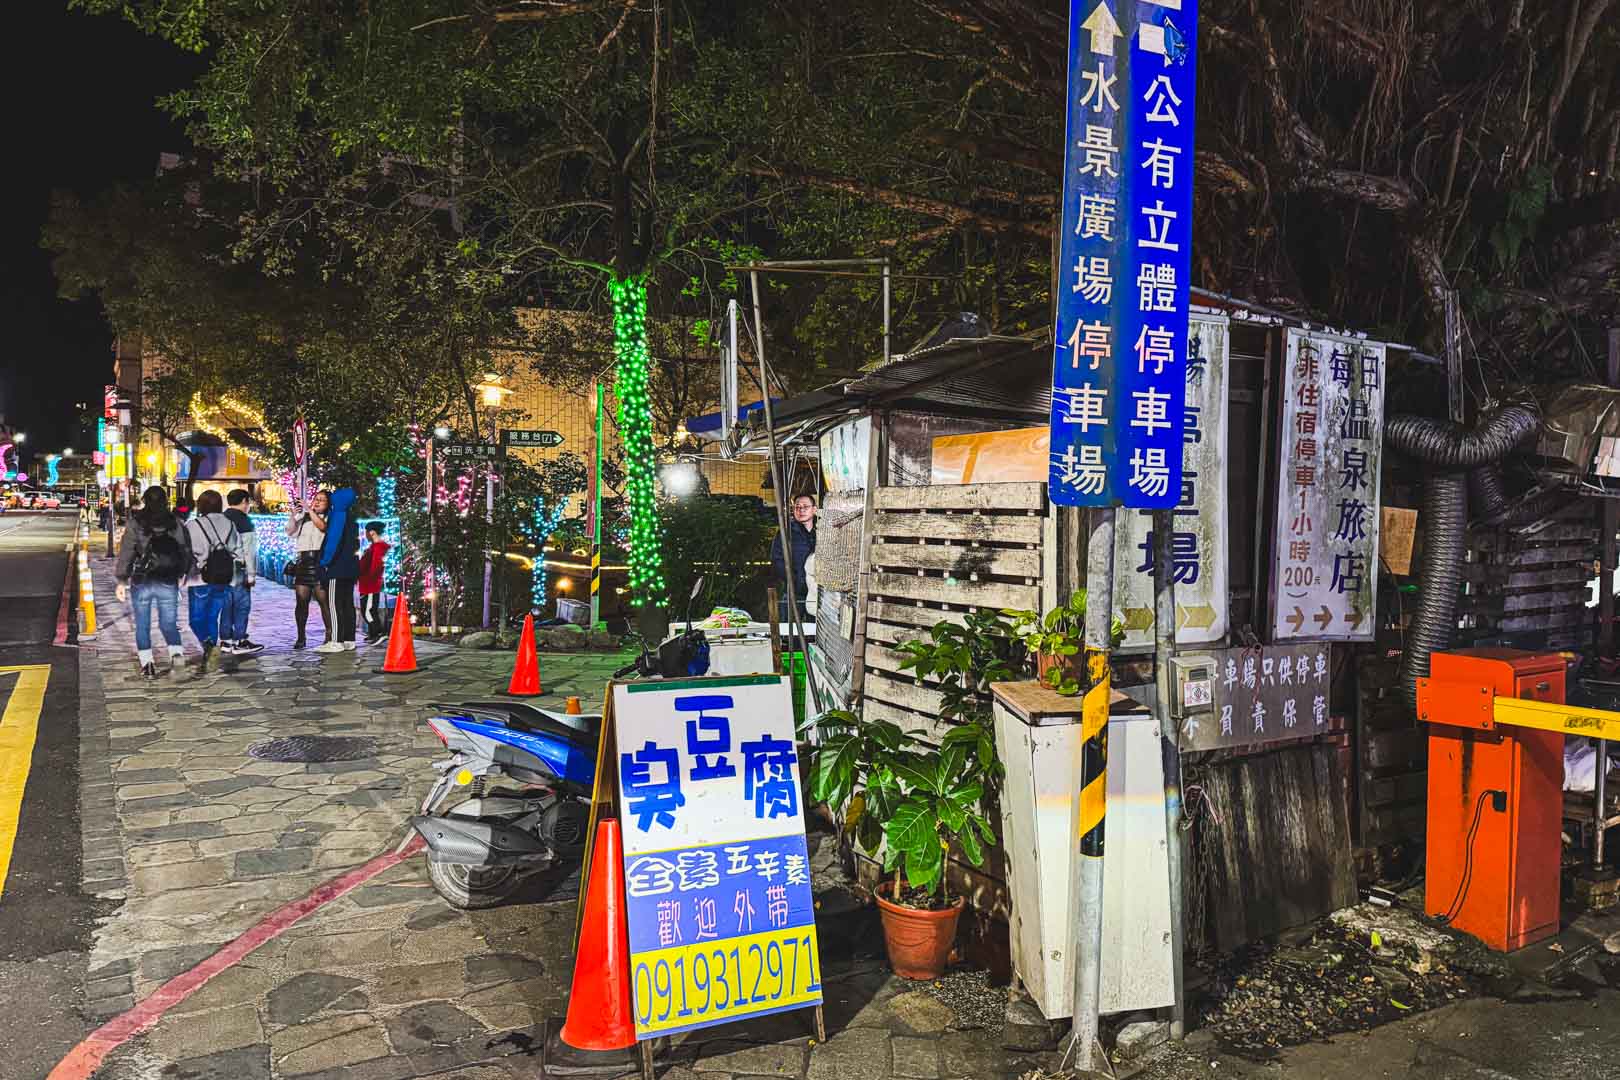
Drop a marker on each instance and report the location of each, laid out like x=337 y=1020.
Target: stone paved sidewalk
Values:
x=195 y=842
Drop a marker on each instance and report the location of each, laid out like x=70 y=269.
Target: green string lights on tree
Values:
x=635 y=428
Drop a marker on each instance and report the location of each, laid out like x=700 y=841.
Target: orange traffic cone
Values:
x=401 y=656
x=599 y=1033
x=526 y=673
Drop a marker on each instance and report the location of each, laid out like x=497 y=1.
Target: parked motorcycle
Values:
x=514 y=796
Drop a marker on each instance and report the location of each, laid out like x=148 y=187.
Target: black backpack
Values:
x=219 y=565
x=160 y=558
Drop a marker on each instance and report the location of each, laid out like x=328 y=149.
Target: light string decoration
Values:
x=635 y=426
x=544 y=523
x=388 y=514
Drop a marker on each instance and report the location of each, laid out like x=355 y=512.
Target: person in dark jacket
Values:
x=802 y=536
x=154 y=556
x=340 y=568
x=233 y=635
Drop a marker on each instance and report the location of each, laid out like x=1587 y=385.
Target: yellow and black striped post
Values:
x=1094 y=754
x=596 y=582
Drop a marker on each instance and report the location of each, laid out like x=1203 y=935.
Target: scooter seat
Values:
x=526 y=717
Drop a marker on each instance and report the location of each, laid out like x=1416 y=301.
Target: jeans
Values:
x=165 y=596
x=207 y=604
x=233 y=621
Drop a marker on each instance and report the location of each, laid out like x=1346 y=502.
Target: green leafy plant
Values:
x=890 y=787
x=1060 y=633
x=966 y=658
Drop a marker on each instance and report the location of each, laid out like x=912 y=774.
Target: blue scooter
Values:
x=514 y=796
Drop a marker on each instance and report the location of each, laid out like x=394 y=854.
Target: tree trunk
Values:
x=635 y=427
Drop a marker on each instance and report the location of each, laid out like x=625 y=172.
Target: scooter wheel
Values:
x=471 y=888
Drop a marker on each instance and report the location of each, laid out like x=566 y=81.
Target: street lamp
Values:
x=491 y=393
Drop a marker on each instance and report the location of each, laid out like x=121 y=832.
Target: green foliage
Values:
x=1061 y=632
x=1526 y=205
x=965 y=659
x=890 y=787
x=724 y=539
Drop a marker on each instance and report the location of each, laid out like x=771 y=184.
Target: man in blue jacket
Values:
x=340 y=568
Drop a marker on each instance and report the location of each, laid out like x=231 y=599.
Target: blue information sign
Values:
x=1118 y=369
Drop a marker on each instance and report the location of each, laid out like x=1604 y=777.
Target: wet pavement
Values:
x=197 y=831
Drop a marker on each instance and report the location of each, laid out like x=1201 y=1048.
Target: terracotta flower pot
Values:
x=919 y=942
x=1071 y=667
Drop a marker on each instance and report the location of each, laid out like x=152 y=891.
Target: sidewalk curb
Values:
x=105 y=877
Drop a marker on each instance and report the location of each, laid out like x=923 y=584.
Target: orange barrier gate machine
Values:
x=1496 y=776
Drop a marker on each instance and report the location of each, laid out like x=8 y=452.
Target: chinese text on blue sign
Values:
x=1117 y=380
x=717 y=873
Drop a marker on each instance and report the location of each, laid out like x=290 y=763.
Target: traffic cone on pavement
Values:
x=401 y=656
x=526 y=673
x=599 y=1033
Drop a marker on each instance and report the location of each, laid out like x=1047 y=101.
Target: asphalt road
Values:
x=45 y=920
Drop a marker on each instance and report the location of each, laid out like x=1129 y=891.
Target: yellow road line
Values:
x=18 y=728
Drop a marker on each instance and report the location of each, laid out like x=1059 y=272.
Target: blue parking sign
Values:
x=1118 y=367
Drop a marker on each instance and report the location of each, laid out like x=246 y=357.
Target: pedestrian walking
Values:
x=154 y=556
x=233 y=624
x=340 y=568
x=104 y=515
x=216 y=550
x=307 y=527
x=372 y=564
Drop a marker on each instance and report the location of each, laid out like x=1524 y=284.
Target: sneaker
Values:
x=148 y=671
x=177 y=669
x=330 y=647
x=248 y=648
x=348 y=646
x=208 y=661
x=227 y=648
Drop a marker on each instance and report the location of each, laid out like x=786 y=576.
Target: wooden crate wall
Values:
x=937 y=553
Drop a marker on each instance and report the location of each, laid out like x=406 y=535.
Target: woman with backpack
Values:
x=154 y=556
x=215 y=552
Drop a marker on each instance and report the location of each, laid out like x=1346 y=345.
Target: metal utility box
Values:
x=1038 y=738
x=1493 y=860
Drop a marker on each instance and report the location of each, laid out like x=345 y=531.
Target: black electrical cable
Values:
x=1468 y=858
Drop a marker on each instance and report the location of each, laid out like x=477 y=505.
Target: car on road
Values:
x=38 y=500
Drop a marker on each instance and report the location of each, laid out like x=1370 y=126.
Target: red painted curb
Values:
x=83 y=1060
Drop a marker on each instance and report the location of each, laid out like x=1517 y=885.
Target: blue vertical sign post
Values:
x=1118 y=378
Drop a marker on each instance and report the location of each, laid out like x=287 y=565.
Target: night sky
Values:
x=81 y=117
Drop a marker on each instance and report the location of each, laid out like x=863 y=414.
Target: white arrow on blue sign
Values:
x=1119 y=364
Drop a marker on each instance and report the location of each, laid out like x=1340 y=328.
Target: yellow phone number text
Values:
x=714 y=981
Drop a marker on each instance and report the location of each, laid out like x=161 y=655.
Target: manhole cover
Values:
x=314 y=748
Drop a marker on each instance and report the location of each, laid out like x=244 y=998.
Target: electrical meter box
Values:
x=1192 y=684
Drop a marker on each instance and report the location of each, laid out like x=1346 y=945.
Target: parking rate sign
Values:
x=1118 y=387
x=717 y=872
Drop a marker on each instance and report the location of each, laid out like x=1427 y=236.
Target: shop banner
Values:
x=717 y=871
x=1199 y=551
x=1324 y=566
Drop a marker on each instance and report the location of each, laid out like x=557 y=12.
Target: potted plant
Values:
x=916 y=802
x=1057 y=642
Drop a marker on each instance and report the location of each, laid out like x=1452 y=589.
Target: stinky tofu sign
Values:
x=1324 y=567
x=716 y=868
x=1122 y=300
x=1264 y=694
x=1199 y=541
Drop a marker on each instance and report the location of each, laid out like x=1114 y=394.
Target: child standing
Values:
x=371 y=582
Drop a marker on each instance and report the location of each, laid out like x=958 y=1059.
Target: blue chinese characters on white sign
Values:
x=1118 y=387
x=717 y=871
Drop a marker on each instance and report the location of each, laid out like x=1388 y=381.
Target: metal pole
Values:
x=1091 y=804
x=489 y=520
x=433 y=543
x=795 y=623
x=1611 y=522
x=885 y=311
x=596 y=515
x=1164 y=647
x=1455 y=405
